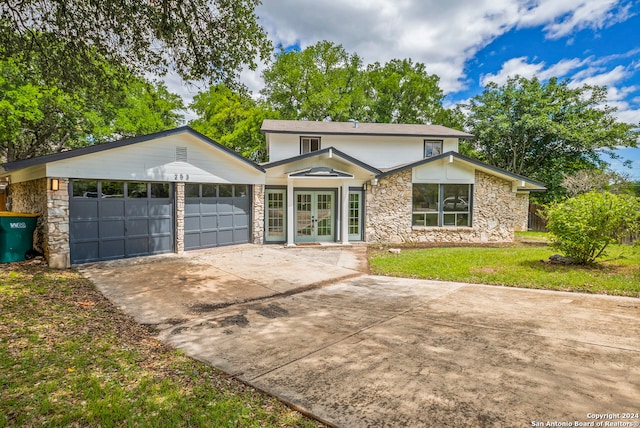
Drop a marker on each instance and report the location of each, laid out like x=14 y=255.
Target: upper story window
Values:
x=309 y=144
x=432 y=148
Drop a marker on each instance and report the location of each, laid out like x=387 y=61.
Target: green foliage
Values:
x=199 y=39
x=545 y=130
x=233 y=119
x=403 y=92
x=325 y=82
x=37 y=118
x=582 y=227
x=320 y=82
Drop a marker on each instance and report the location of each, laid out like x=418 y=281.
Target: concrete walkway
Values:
x=310 y=326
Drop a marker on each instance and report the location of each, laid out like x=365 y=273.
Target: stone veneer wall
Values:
x=497 y=212
x=52 y=232
x=258 y=214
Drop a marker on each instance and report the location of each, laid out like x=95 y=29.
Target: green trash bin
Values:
x=16 y=235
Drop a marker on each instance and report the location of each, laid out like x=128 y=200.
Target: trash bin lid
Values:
x=12 y=214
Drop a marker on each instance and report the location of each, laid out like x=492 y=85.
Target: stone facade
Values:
x=497 y=212
x=52 y=232
x=258 y=214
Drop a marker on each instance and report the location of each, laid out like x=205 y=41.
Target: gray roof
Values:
x=357 y=128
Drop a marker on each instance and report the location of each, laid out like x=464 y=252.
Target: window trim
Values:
x=440 y=210
x=424 y=147
x=310 y=139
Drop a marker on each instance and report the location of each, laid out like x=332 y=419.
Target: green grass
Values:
x=69 y=358
x=517 y=266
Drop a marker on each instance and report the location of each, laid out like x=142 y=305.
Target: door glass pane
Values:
x=226 y=190
x=324 y=215
x=209 y=190
x=355 y=210
x=240 y=190
x=112 y=189
x=276 y=212
x=137 y=190
x=159 y=190
x=304 y=224
x=191 y=190
x=85 y=189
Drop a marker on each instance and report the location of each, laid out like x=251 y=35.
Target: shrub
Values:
x=583 y=226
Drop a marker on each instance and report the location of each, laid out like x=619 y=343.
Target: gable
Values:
x=180 y=156
x=444 y=172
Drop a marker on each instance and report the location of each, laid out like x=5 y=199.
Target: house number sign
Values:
x=181 y=177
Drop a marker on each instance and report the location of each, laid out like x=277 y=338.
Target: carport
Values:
x=166 y=192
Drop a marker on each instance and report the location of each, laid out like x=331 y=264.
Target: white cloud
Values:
x=521 y=67
x=443 y=35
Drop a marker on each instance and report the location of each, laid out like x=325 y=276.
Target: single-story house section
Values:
x=165 y=192
x=339 y=182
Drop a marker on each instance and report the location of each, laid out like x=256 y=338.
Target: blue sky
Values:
x=470 y=42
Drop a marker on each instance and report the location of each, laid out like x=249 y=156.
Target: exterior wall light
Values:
x=54 y=184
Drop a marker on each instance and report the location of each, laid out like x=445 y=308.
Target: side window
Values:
x=432 y=148
x=309 y=144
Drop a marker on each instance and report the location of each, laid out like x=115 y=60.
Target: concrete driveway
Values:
x=310 y=326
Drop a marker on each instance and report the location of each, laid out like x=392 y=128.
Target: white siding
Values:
x=155 y=160
x=443 y=171
x=379 y=152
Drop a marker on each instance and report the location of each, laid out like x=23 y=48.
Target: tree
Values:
x=403 y=92
x=232 y=118
x=321 y=82
x=545 y=130
x=38 y=118
x=582 y=227
x=199 y=39
x=585 y=181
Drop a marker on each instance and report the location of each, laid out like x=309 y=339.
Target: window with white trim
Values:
x=309 y=144
x=432 y=148
x=441 y=204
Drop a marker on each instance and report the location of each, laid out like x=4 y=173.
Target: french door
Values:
x=315 y=216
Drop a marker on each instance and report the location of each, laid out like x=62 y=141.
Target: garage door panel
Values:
x=208 y=207
x=84 y=209
x=111 y=208
x=209 y=239
x=138 y=226
x=222 y=220
x=225 y=237
x=209 y=222
x=191 y=223
x=86 y=251
x=135 y=224
x=225 y=221
x=160 y=208
x=112 y=228
x=137 y=208
x=113 y=249
x=84 y=230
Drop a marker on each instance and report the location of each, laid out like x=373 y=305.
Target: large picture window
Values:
x=441 y=204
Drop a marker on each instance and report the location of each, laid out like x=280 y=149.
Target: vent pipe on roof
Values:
x=355 y=122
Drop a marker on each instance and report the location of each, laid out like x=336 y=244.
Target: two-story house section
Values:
x=348 y=182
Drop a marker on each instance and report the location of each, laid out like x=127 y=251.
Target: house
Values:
x=340 y=182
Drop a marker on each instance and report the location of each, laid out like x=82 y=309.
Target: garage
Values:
x=117 y=219
x=159 y=193
x=216 y=215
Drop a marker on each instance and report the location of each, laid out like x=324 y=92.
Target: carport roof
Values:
x=40 y=160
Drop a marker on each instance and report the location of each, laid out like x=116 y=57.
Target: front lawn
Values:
x=69 y=358
x=514 y=265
